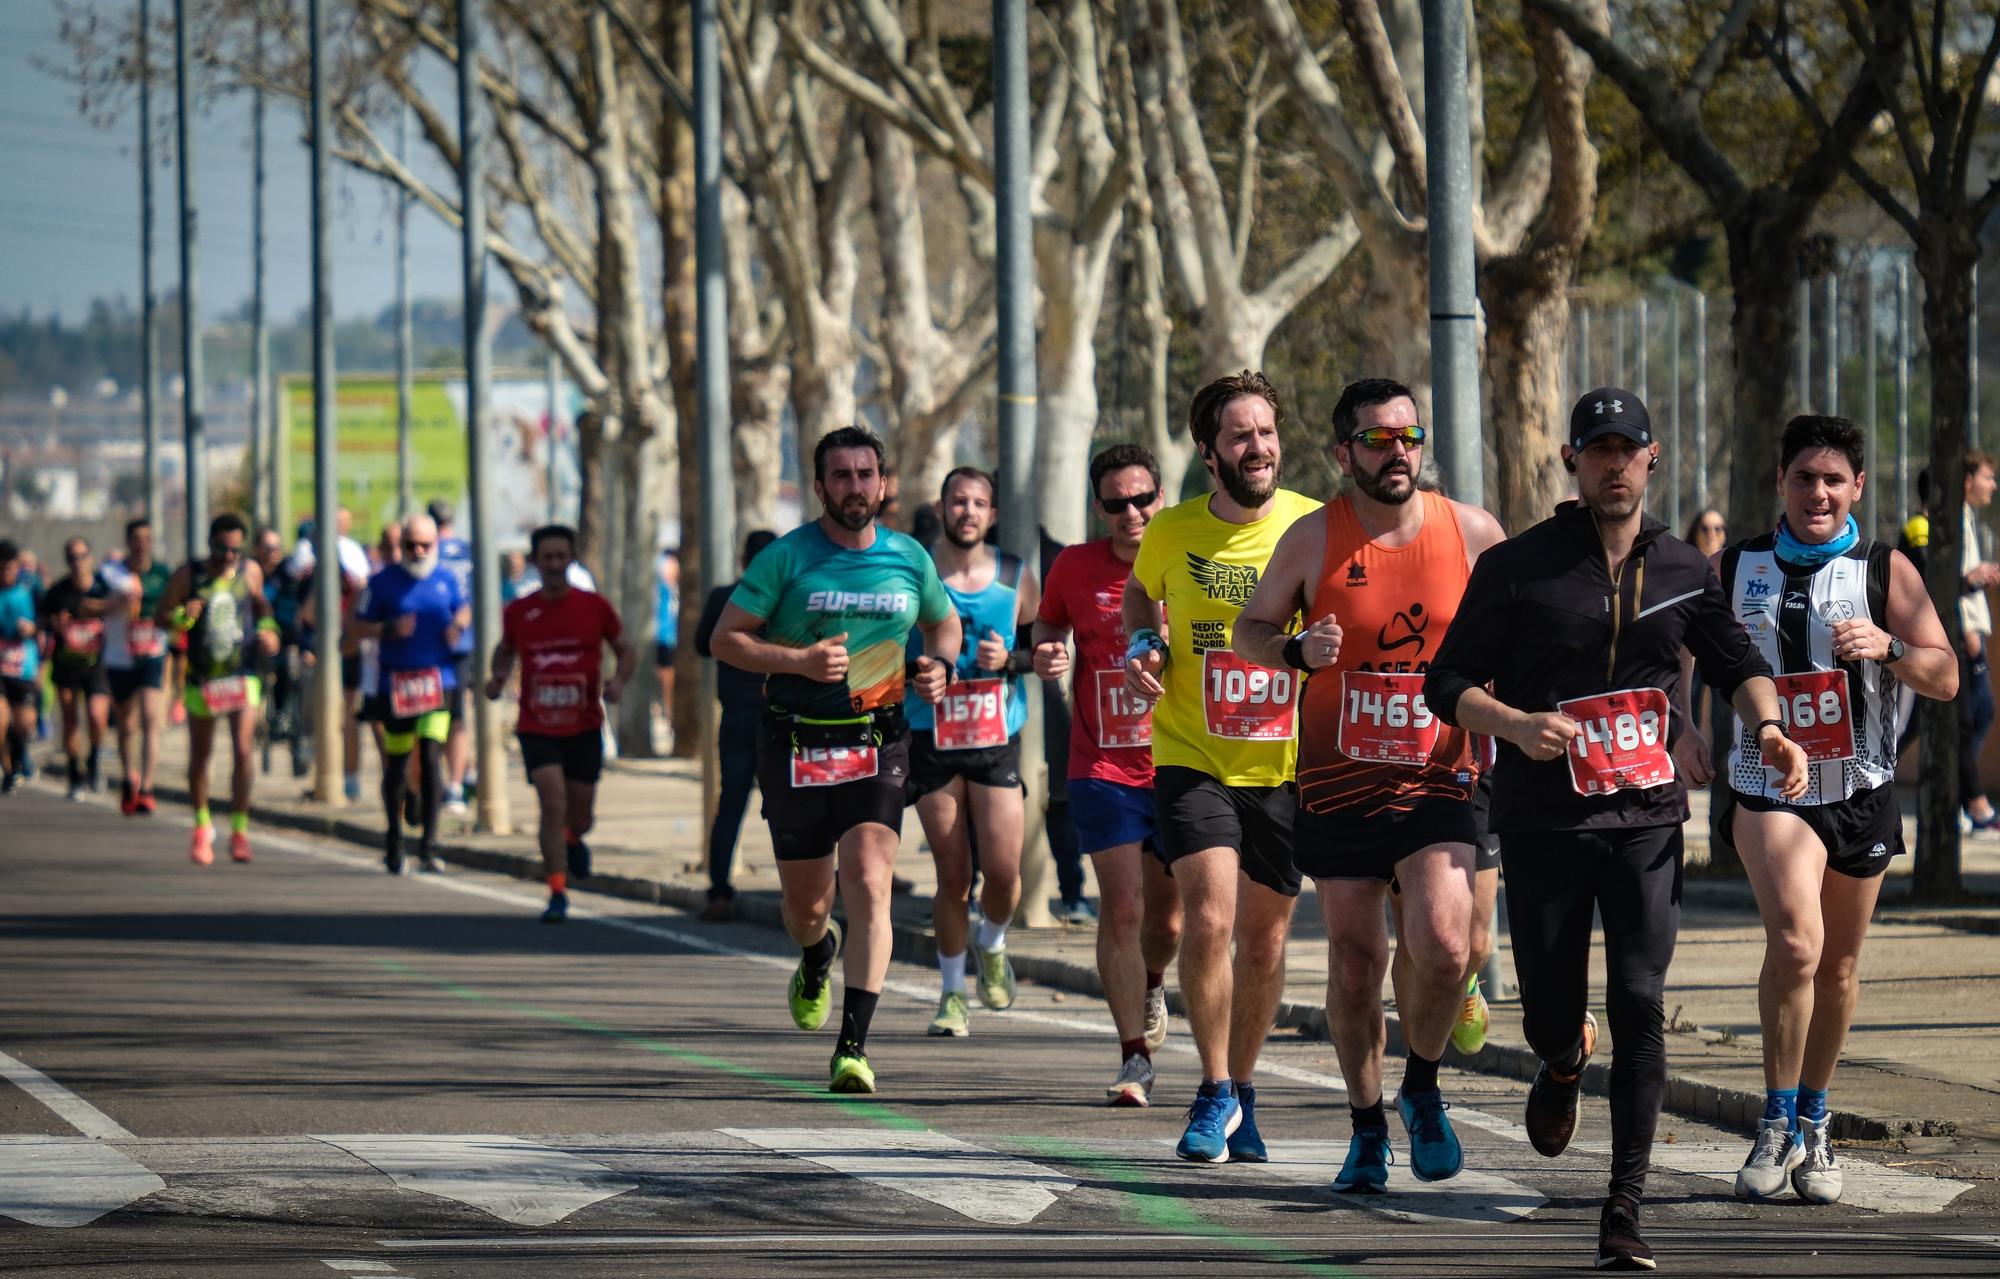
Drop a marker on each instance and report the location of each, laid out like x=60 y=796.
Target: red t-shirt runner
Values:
x=561 y=647
x=1110 y=732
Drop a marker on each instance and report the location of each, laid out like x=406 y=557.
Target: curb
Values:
x=1734 y=1108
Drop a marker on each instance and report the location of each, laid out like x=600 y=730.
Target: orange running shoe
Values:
x=239 y=846
x=128 y=799
x=202 y=848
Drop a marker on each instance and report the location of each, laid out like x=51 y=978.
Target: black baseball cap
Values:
x=1606 y=411
x=439 y=511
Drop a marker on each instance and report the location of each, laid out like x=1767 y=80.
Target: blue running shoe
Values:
x=558 y=911
x=1366 y=1171
x=1211 y=1120
x=1245 y=1144
x=1435 y=1154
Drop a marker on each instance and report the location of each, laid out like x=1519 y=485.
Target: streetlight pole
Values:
x=1453 y=298
x=263 y=494
x=194 y=439
x=329 y=765
x=149 y=324
x=406 y=492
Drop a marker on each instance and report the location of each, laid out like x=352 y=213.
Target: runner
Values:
x=836 y=599
x=742 y=698
x=1845 y=621
x=135 y=655
x=214 y=603
x=1223 y=750
x=1578 y=624
x=1111 y=764
x=73 y=613
x=560 y=634
x=965 y=758
x=666 y=628
x=20 y=667
x=455 y=557
x=1385 y=795
x=417 y=613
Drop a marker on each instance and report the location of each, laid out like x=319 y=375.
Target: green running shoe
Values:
x=996 y=977
x=1468 y=1035
x=951 y=1019
x=812 y=994
x=851 y=1073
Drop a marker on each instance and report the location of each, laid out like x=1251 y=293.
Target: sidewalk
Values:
x=1922 y=1065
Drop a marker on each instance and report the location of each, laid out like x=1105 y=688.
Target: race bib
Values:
x=84 y=638
x=832 y=765
x=1248 y=702
x=144 y=640
x=414 y=693
x=14 y=659
x=1383 y=719
x=1623 y=742
x=226 y=695
x=972 y=715
x=1817 y=714
x=558 y=699
x=1122 y=719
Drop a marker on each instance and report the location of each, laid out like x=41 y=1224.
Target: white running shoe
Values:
x=1157 y=1017
x=1134 y=1085
x=1773 y=1155
x=1817 y=1178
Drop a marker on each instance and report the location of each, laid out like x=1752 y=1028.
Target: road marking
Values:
x=512 y=1179
x=1863 y=1184
x=67 y=1106
x=67 y=1181
x=361 y=1267
x=971 y=1181
x=1470 y=1198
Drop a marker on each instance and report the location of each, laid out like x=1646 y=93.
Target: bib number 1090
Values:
x=1244 y=701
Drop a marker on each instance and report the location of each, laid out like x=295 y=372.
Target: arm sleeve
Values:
x=711 y=617
x=762 y=582
x=1722 y=649
x=933 y=605
x=1480 y=633
x=1055 y=601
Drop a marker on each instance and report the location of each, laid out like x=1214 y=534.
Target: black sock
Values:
x=819 y=955
x=857 y=1009
x=17 y=751
x=395 y=788
x=1419 y=1075
x=1369 y=1116
x=430 y=775
x=75 y=771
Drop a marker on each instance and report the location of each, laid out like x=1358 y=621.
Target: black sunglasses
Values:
x=1119 y=505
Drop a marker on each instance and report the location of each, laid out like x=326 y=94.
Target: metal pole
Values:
x=1676 y=464
x=328 y=763
x=149 y=324
x=1872 y=392
x=1802 y=373
x=552 y=376
x=194 y=440
x=263 y=498
x=1700 y=400
x=406 y=472
x=1454 y=302
x=1972 y=369
x=1902 y=391
x=1832 y=340
x=490 y=751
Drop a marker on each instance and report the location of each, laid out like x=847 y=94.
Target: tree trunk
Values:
x=590 y=476
x=679 y=308
x=757 y=397
x=1763 y=327
x=639 y=460
x=1527 y=327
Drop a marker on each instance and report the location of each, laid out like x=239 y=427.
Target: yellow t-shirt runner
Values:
x=1220 y=715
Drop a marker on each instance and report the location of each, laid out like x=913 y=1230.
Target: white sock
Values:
x=992 y=936
x=952 y=969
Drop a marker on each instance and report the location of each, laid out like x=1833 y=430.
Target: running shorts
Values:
x=807 y=822
x=1344 y=844
x=1862 y=834
x=1196 y=812
x=932 y=769
x=1110 y=814
x=580 y=755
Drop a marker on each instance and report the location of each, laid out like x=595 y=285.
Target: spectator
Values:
x=742 y=698
x=1975 y=618
x=667 y=627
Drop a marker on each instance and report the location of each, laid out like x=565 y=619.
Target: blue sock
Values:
x=1782 y=1103
x=1812 y=1104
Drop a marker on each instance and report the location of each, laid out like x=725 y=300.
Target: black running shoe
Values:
x=579 y=859
x=1554 y=1099
x=1619 y=1246
x=392 y=861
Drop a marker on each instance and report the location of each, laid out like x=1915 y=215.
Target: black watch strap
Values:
x=1897 y=650
x=1763 y=724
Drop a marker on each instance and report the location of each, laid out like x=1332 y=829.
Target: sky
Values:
x=69 y=205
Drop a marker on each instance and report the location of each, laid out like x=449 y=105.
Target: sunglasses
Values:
x=1386 y=437
x=1119 y=505
x=409 y=545
x=223 y=549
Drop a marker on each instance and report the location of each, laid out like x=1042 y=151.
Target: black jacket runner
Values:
x=1543 y=621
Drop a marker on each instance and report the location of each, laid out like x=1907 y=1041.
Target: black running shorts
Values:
x=807 y=821
x=932 y=769
x=1196 y=812
x=1861 y=833
x=1344 y=844
x=580 y=755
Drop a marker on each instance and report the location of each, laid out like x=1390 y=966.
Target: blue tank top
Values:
x=993 y=609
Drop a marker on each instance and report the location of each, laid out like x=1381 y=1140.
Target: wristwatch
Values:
x=1896 y=650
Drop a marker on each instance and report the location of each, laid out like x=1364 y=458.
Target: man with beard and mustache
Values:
x=1566 y=649
x=1385 y=795
x=824 y=614
x=965 y=756
x=418 y=615
x=1223 y=750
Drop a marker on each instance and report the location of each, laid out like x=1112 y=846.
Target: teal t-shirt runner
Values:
x=980 y=613
x=806 y=587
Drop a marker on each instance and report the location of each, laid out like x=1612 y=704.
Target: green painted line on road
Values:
x=1146 y=1206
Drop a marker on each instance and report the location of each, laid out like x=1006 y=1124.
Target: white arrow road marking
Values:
x=1472 y=1197
x=515 y=1180
x=68 y=1107
x=67 y=1181
x=971 y=1181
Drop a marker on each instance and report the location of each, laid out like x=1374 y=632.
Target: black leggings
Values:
x=430 y=792
x=1975 y=718
x=1633 y=878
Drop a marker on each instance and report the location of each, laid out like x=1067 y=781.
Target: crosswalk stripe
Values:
x=970 y=1180
x=517 y=1181
x=1470 y=1198
x=67 y=1181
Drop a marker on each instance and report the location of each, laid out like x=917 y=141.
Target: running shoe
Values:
x=1774 y=1152
x=1156 y=1017
x=11 y=784
x=75 y=794
x=1211 y=1120
x=1817 y=1178
x=1246 y=1144
x=147 y=804
x=455 y=806
x=1619 y=1246
x=392 y=861
x=429 y=864
x=201 y=849
x=1079 y=912
x=176 y=712
x=1469 y=1035
x=95 y=776
x=1435 y=1154
x=1366 y=1171
x=996 y=977
x=578 y=854
x=239 y=846
x=851 y=1073
x=1555 y=1099
x=951 y=1019
x=558 y=911
x=720 y=910
x=351 y=787
x=128 y=798
x=811 y=995
x=1134 y=1085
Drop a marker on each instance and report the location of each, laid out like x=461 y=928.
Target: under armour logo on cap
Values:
x=1609 y=410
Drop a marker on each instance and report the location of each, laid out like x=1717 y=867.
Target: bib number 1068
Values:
x=1817 y=714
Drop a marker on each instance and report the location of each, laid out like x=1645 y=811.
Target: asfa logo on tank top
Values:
x=1406 y=630
x=1230 y=583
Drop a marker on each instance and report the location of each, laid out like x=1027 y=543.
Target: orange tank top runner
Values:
x=1367 y=742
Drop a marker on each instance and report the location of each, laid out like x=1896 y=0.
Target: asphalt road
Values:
x=303 y=1067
